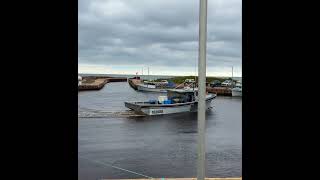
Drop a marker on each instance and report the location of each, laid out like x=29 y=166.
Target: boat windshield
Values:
x=181 y=97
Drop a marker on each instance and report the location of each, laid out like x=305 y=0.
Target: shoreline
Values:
x=96 y=83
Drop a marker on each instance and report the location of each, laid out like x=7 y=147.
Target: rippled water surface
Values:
x=115 y=143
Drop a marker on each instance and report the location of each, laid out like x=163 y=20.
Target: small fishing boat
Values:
x=176 y=101
x=237 y=90
x=150 y=88
x=162 y=86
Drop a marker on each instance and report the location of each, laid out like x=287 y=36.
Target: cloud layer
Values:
x=127 y=35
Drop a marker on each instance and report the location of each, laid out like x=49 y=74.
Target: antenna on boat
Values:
x=148 y=77
x=202 y=89
x=195 y=73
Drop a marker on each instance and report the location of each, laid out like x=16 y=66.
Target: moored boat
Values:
x=162 y=86
x=150 y=88
x=237 y=90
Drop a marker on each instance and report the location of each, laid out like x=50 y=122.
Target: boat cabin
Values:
x=181 y=95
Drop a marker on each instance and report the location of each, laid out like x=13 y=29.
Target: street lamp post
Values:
x=202 y=89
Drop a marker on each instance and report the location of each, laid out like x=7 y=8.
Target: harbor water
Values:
x=115 y=143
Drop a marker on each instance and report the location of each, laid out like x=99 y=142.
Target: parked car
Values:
x=189 y=81
x=164 y=81
x=226 y=83
x=215 y=83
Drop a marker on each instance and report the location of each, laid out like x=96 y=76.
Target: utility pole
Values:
x=202 y=89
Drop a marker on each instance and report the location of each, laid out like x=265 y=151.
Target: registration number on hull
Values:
x=156 y=111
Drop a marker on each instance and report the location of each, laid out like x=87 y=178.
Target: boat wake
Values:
x=106 y=114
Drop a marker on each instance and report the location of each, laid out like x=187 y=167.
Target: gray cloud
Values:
x=157 y=32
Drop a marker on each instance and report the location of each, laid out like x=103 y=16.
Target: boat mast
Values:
x=195 y=75
x=195 y=72
x=232 y=77
x=148 y=78
x=148 y=75
x=202 y=89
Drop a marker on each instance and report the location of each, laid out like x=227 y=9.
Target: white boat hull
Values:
x=150 y=89
x=173 y=110
x=167 y=109
x=236 y=92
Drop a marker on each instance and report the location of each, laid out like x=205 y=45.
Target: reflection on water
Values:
x=110 y=136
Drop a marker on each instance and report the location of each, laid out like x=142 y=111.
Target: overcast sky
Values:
x=126 y=36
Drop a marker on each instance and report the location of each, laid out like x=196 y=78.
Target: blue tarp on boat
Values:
x=171 y=85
